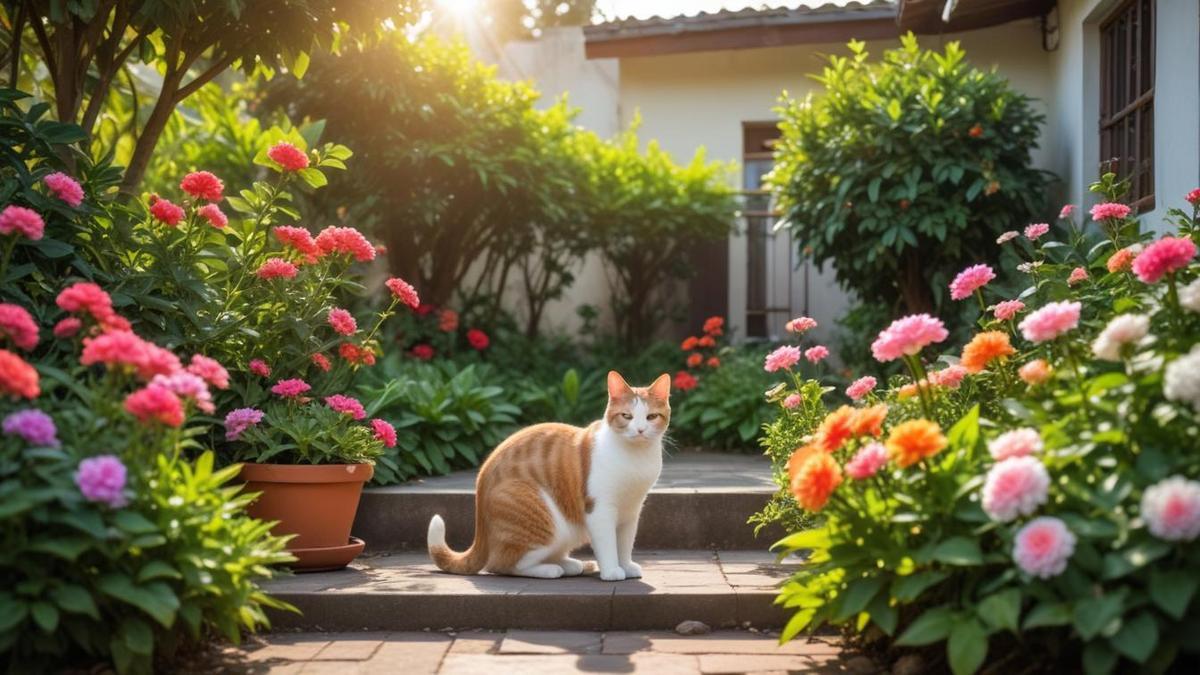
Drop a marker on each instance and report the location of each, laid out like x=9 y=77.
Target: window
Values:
x=1127 y=98
x=758 y=141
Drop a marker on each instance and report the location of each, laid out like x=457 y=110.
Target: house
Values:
x=1117 y=79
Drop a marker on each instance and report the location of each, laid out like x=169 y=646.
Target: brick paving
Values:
x=528 y=653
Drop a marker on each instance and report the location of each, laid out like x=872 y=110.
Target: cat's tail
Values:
x=470 y=561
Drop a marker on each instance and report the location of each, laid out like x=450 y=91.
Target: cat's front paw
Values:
x=614 y=574
x=632 y=570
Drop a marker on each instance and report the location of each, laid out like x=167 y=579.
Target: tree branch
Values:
x=39 y=31
x=206 y=76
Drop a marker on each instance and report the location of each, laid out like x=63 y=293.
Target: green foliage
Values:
x=307 y=433
x=446 y=417
x=725 y=410
x=914 y=153
x=912 y=550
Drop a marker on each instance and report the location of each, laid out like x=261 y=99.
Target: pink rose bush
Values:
x=1053 y=455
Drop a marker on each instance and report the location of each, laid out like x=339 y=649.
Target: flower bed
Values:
x=1032 y=500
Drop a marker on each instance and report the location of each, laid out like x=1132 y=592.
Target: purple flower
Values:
x=240 y=420
x=102 y=479
x=34 y=426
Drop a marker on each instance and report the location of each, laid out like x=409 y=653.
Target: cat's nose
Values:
x=641 y=430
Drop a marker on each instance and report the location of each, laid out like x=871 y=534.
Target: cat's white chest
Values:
x=620 y=475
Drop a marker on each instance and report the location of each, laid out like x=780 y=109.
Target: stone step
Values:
x=404 y=591
x=702 y=500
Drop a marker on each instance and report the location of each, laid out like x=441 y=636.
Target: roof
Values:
x=742 y=29
x=925 y=16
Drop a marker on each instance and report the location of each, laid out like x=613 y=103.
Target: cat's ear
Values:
x=617 y=386
x=661 y=389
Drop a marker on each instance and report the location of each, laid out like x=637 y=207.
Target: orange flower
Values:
x=814 y=476
x=713 y=362
x=706 y=341
x=689 y=344
x=914 y=440
x=908 y=391
x=694 y=359
x=713 y=325
x=835 y=429
x=869 y=421
x=1035 y=372
x=985 y=348
x=1120 y=261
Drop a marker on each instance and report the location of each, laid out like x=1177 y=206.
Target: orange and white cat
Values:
x=551 y=488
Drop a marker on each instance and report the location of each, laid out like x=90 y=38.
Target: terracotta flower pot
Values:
x=314 y=502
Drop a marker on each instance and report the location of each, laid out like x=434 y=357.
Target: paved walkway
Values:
x=529 y=653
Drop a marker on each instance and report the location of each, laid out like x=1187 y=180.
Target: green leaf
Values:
x=1001 y=610
x=1098 y=658
x=932 y=626
x=1093 y=615
x=1048 y=614
x=313 y=177
x=883 y=614
x=76 y=600
x=45 y=615
x=157 y=569
x=1137 y=638
x=134 y=523
x=796 y=624
x=155 y=598
x=1119 y=563
x=12 y=612
x=894 y=110
x=137 y=636
x=67 y=548
x=857 y=594
x=817 y=538
x=967 y=647
x=960 y=551
x=1172 y=590
x=909 y=588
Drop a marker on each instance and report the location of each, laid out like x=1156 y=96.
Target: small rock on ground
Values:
x=909 y=664
x=692 y=628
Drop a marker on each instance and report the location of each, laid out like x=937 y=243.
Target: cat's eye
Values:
x=627 y=416
x=653 y=416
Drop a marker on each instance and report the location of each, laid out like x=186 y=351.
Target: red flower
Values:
x=277 y=268
x=448 y=321
x=342 y=321
x=17 y=325
x=85 y=297
x=321 y=361
x=345 y=240
x=1193 y=197
x=706 y=342
x=212 y=213
x=689 y=344
x=713 y=325
x=290 y=388
x=385 y=432
x=694 y=359
x=976 y=131
x=288 y=156
x=299 y=239
x=478 y=339
x=713 y=362
x=260 y=368
x=685 y=381
x=155 y=403
x=423 y=352
x=424 y=309
x=346 y=405
x=202 y=185
x=68 y=327
x=404 y=292
x=356 y=355
x=17 y=378
x=165 y=212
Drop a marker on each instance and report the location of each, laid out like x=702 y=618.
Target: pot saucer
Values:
x=326 y=559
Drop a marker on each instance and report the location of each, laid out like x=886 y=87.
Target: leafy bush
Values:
x=725 y=410
x=1035 y=501
x=913 y=153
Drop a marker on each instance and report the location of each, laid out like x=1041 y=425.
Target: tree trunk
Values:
x=159 y=116
x=914 y=288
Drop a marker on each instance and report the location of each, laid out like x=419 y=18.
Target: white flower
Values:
x=1189 y=297
x=1122 y=330
x=1182 y=379
x=1171 y=509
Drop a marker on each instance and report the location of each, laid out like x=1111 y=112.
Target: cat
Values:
x=551 y=488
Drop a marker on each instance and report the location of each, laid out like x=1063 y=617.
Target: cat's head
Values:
x=638 y=414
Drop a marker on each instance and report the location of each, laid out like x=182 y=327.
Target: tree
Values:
x=905 y=169
x=523 y=19
x=85 y=45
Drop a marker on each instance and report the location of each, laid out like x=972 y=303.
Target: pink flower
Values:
x=35 y=426
x=800 y=324
x=816 y=354
x=1008 y=309
x=346 y=240
x=792 y=401
x=867 y=461
x=404 y=291
x=1171 y=509
x=1020 y=442
x=260 y=368
x=23 y=221
x=165 y=212
x=17 y=325
x=385 y=432
x=1077 y=275
x=277 y=268
x=908 y=336
x=65 y=188
x=1163 y=257
x=238 y=421
x=422 y=352
x=346 y=405
x=202 y=185
x=290 y=388
x=1066 y=211
x=1015 y=486
x=1050 y=321
x=1035 y=372
x=212 y=213
x=155 y=403
x=1035 y=231
x=970 y=280
x=1107 y=210
x=1043 y=546
x=209 y=370
x=299 y=239
x=187 y=386
x=67 y=327
x=1007 y=237
x=343 y=322
x=861 y=387
x=478 y=339
x=321 y=361
x=782 y=358
x=85 y=297
x=102 y=479
x=1193 y=197
x=288 y=156
x=949 y=377
x=124 y=349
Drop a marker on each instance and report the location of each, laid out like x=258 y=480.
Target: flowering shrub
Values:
x=1039 y=489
